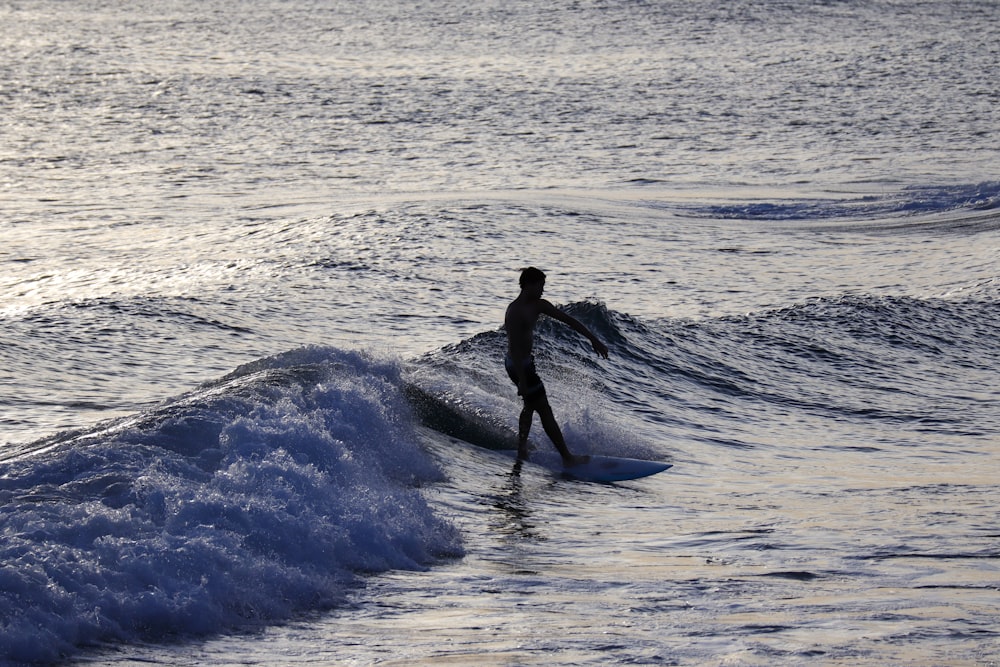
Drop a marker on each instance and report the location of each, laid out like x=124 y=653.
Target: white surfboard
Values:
x=599 y=468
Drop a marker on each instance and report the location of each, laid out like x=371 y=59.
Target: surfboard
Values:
x=613 y=469
x=599 y=468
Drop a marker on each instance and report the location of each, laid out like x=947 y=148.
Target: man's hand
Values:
x=600 y=348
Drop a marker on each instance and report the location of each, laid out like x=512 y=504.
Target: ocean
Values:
x=254 y=264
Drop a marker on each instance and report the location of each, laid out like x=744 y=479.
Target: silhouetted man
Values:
x=522 y=315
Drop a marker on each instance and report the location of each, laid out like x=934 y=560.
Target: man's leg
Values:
x=552 y=429
x=523 y=428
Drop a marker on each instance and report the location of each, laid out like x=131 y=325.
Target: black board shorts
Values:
x=535 y=387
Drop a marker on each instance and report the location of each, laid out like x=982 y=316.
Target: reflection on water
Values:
x=513 y=517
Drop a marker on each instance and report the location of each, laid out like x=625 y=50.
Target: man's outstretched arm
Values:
x=578 y=326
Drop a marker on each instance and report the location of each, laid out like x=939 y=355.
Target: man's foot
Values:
x=575 y=460
x=522 y=452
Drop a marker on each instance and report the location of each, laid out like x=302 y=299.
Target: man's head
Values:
x=531 y=276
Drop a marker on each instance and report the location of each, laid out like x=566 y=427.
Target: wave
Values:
x=257 y=497
x=908 y=361
x=463 y=390
x=916 y=364
x=980 y=199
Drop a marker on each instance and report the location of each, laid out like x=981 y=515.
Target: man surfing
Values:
x=522 y=315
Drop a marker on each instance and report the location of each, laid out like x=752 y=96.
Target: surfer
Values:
x=522 y=315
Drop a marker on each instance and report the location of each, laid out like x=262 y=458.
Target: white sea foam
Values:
x=247 y=502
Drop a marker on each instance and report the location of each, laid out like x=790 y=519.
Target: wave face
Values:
x=254 y=498
x=890 y=363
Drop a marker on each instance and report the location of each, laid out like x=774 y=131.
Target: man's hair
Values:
x=531 y=275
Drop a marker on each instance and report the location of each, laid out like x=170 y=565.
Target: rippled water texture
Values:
x=193 y=109
x=783 y=216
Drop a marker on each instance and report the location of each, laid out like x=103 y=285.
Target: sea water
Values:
x=254 y=265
